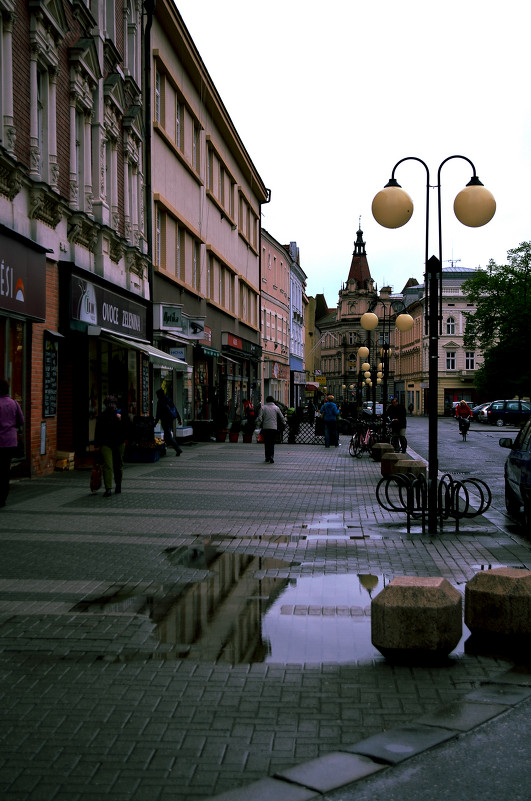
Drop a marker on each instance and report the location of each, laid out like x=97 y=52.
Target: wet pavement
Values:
x=209 y=628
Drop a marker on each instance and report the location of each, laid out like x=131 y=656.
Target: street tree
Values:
x=501 y=324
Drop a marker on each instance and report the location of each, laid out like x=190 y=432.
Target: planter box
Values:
x=147 y=455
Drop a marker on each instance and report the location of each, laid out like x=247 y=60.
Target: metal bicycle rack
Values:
x=406 y=493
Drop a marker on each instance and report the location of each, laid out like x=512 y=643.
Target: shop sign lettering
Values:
x=22 y=278
x=95 y=305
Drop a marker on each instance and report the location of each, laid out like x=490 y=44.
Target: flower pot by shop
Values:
x=221 y=436
x=234 y=436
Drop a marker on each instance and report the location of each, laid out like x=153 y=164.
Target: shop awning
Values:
x=311 y=386
x=156 y=356
x=210 y=351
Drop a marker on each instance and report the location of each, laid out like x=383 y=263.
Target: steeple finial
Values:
x=359 y=244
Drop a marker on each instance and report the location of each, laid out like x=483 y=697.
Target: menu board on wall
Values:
x=145 y=386
x=50 y=377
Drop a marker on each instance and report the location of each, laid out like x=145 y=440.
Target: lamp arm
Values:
x=439 y=221
x=416 y=158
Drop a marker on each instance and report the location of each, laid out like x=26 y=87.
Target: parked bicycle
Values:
x=366 y=435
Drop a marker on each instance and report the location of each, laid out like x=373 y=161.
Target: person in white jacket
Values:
x=270 y=420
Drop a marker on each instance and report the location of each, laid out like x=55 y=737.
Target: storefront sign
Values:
x=168 y=317
x=194 y=327
x=231 y=341
x=245 y=347
x=22 y=278
x=179 y=353
x=95 y=305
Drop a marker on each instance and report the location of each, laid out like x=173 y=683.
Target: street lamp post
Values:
x=369 y=321
x=392 y=207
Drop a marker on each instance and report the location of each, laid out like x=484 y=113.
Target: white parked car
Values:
x=367 y=407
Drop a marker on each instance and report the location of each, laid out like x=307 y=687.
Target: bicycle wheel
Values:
x=355 y=447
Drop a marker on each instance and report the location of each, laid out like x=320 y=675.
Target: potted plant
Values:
x=220 y=425
x=248 y=429
x=235 y=428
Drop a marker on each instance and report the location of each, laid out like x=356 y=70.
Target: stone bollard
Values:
x=412 y=466
x=379 y=449
x=416 y=619
x=386 y=461
x=498 y=605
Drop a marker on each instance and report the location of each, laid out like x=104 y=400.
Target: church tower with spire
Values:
x=343 y=333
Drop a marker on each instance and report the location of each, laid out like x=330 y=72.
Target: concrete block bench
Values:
x=379 y=449
x=415 y=467
x=416 y=618
x=388 y=460
x=498 y=603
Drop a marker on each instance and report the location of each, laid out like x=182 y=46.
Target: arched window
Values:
x=450 y=325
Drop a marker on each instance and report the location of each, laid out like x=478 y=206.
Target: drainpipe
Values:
x=149 y=7
x=268 y=200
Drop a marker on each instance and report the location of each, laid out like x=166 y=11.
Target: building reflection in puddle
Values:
x=243 y=611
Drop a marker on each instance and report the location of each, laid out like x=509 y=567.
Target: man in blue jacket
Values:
x=330 y=413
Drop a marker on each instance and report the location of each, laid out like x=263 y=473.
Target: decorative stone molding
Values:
x=11 y=177
x=82 y=231
x=45 y=205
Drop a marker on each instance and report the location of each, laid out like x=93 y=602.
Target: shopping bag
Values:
x=95 y=478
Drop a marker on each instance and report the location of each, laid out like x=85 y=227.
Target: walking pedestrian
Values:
x=167 y=413
x=109 y=437
x=270 y=420
x=11 y=420
x=397 y=415
x=330 y=413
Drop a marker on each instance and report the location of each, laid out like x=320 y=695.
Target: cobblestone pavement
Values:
x=132 y=660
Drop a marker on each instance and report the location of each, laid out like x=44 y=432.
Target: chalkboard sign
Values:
x=145 y=386
x=50 y=377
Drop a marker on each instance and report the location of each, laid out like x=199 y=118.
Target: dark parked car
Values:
x=508 y=412
x=518 y=474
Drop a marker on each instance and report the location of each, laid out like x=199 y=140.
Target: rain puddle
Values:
x=240 y=608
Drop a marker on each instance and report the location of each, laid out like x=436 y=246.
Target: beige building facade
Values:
x=275 y=311
x=207 y=198
x=457 y=364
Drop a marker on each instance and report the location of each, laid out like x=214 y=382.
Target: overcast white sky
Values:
x=328 y=96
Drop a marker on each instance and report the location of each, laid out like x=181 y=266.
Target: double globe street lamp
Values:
x=392 y=207
x=369 y=321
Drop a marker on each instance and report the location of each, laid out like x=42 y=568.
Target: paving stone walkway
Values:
x=138 y=634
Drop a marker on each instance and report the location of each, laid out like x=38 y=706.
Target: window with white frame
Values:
x=44 y=62
x=158 y=97
x=450 y=325
x=196 y=265
x=196 y=150
x=450 y=359
x=470 y=360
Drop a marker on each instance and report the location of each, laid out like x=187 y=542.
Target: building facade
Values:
x=342 y=335
x=207 y=198
x=275 y=303
x=74 y=316
x=297 y=306
x=456 y=364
